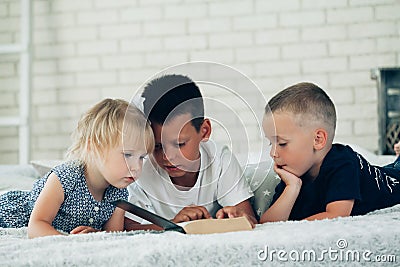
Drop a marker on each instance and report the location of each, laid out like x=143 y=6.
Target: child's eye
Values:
x=181 y=144
x=282 y=144
x=142 y=157
x=127 y=155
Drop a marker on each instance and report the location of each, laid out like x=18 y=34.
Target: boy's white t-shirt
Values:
x=220 y=183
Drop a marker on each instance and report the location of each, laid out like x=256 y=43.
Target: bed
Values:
x=354 y=241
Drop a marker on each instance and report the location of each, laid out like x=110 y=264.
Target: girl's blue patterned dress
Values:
x=79 y=206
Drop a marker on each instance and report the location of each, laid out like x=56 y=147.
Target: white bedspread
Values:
x=354 y=241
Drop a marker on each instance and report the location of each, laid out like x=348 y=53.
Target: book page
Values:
x=210 y=226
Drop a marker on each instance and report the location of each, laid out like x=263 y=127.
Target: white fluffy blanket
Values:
x=354 y=241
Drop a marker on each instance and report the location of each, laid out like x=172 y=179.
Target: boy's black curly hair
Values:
x=171 y=95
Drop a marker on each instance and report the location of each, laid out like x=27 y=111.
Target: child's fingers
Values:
x=192 y=213
x=281 y=172
x=83 y=230
x=196 y=213
x=397 y=148
x=220 y=214
x=77 y=230
x=287 y=177
x=227 y=212
x=204 y=211
x=278 y=169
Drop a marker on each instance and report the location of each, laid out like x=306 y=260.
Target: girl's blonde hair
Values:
x=106 y=125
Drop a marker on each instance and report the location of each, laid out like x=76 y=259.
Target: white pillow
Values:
x=377 y=160
x=44 y=166
x=17 y=177
x=262 y=180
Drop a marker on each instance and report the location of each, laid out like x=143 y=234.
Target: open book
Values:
x=204 y=226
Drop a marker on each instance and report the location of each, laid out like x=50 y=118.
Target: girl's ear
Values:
x=205 y=130
x=320 y=138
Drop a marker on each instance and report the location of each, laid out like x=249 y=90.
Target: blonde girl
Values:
x=106 y=155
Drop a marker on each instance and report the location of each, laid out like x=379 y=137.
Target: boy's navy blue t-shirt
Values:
x=346 y=175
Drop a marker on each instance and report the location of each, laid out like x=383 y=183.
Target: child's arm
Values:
x=281 y=209
x=46 y=208
x=116 y=222
x=341 y=208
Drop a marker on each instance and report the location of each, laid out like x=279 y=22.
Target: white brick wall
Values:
x=350 y=15
x=210 y=25
x=327 y=33
x=87 y=50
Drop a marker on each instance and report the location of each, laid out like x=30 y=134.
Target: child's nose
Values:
x=135 y=166
x=168 y=154
x=273 y=153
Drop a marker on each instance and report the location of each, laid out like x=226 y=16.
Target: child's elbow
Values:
x=31 y=232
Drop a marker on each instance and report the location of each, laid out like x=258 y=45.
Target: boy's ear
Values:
x=320 y=138
x=205 y=130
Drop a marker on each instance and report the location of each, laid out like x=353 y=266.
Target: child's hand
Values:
x=234 y=212
x=281 y=209
x=397 y=148
x=83 y=230
x=191 y=213
x=287 y=177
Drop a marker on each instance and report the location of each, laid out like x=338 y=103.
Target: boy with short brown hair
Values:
x=320 y=179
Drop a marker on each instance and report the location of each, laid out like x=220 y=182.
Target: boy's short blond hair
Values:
x=107 y=124
x=309 y=102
